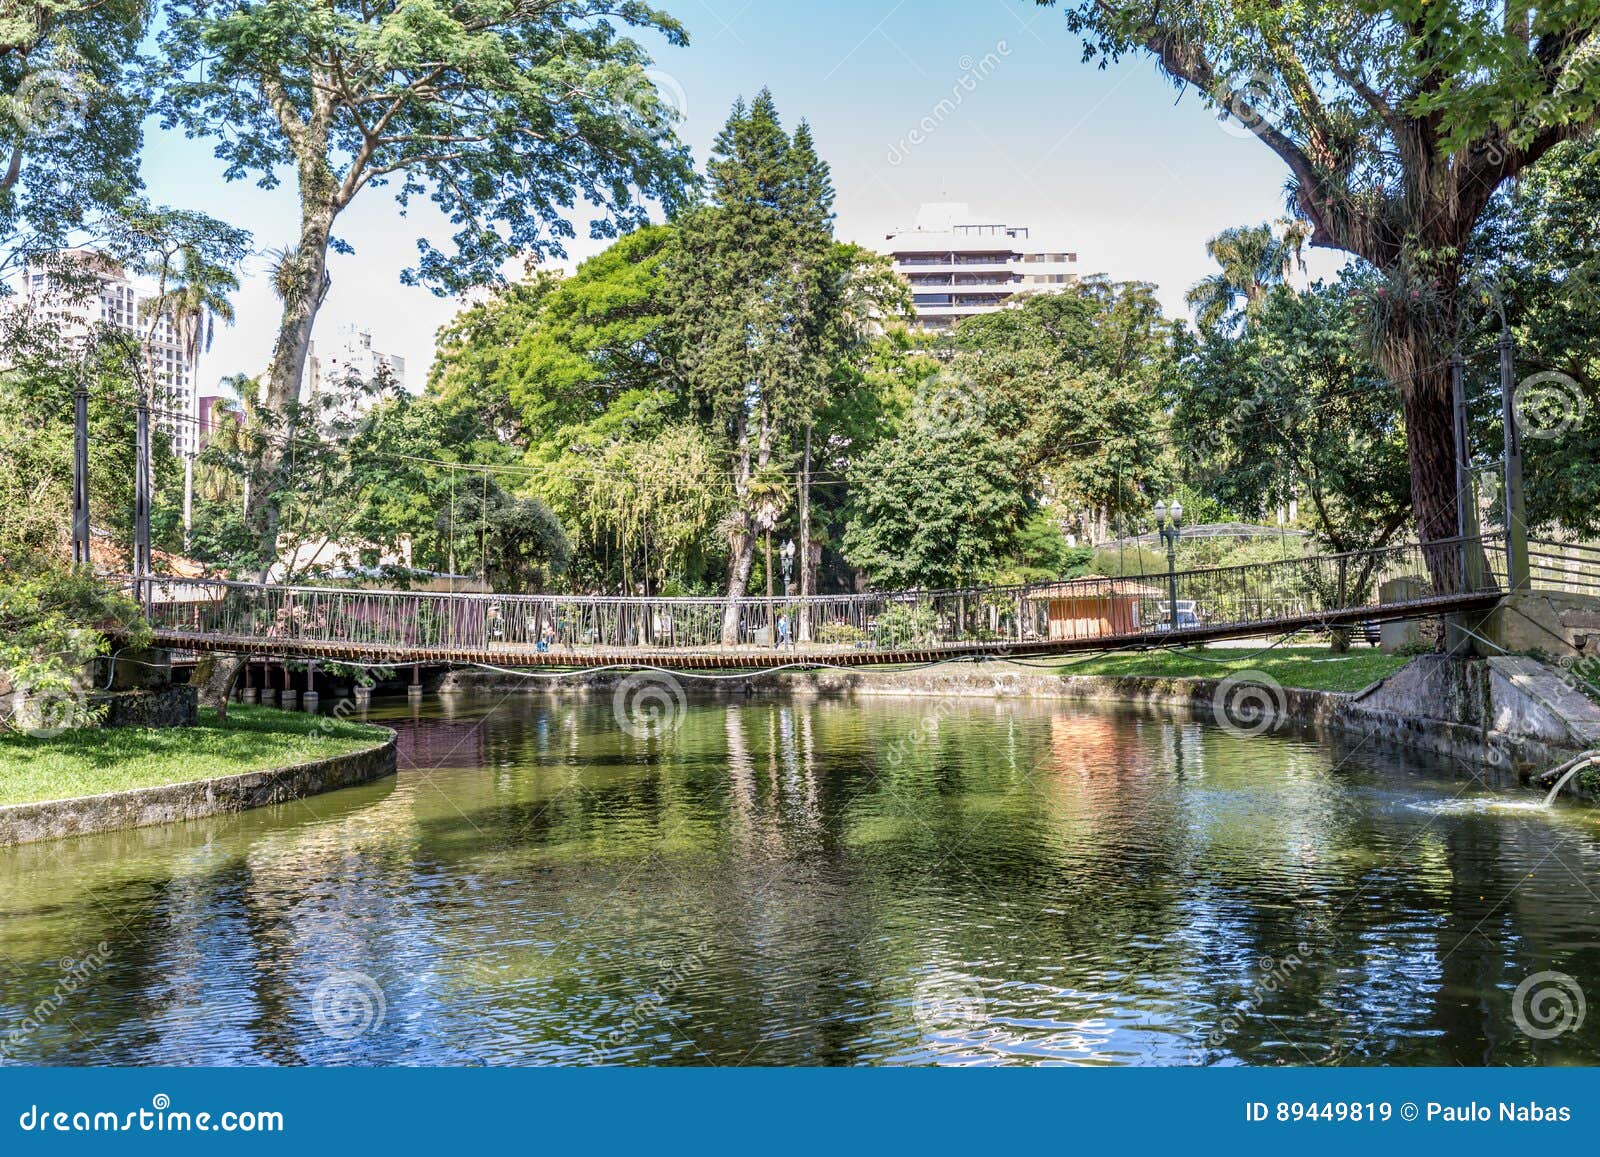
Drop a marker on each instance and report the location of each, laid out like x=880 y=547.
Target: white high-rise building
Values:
x=350 y=354
x=114 y=299
x=959 y=267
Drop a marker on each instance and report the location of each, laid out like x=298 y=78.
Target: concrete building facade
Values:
x=101 y=292
x=960 y=267
x=350 y=354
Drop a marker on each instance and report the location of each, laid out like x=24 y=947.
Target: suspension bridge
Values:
x=394 y=627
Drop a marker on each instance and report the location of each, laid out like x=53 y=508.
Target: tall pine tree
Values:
x=752 y=280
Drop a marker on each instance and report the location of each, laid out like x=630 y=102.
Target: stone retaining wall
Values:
x=173 y=706
x=142 y=807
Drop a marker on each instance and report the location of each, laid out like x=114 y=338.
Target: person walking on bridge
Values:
x=783 y=631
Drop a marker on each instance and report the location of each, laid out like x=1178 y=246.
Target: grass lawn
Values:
x=95 y=761
x=1314 y=668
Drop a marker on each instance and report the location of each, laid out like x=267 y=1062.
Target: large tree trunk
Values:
x=742 y=556
x=303 y=287
x=1431 y=449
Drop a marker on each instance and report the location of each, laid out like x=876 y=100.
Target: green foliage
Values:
x=1076 y=382
x=53 y=618
x=1540 y=254
x=1252 y=260
x=519 y=544
x=840 y=635
x=71 y=107
x=1292 y=407
x=905 y=625
x=1042 y=554
x=503 y=114
x=933 y=509
x=1399 y=120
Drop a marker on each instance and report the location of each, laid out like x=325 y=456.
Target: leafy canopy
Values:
x=504 y=113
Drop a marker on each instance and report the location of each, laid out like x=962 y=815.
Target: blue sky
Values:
x=1113 y=163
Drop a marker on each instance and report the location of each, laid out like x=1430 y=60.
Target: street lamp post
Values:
x=1169 y=523
x=786 y=553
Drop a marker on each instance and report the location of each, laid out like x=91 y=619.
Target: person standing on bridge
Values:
x=783 y=631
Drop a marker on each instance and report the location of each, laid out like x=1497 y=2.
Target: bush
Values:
x=903 y=625
x=52 y=626
x=840 y=634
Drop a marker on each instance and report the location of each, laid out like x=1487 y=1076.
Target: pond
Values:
x=761 y=881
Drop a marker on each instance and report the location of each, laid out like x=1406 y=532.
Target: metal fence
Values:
x=1319 y=589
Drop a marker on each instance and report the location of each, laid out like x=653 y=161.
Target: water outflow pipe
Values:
x=1565 y=773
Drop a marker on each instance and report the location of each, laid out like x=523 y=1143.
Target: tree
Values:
x=1252 y=259
x=70 y=112
x=1539 y=255
x=1293 y=407
x=765 y=305
x=503 y=113
x=1398 y=121
x=198 y=294
x=932 y=509
x=517 y=544
x=1077 y=381
x=190 y=256
x=54 y=617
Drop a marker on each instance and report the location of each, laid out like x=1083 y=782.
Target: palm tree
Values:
x=196 y=293
x=1251 y=259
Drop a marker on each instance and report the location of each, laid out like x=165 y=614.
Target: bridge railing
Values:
x=1564 y=566
x=377 y=623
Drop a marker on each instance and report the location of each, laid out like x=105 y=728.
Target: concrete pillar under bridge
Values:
x=1560 y=624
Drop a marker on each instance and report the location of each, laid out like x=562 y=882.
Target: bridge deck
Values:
x=579 y=656
x=397 y=628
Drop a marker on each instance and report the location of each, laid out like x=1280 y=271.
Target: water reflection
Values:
x=796 y=881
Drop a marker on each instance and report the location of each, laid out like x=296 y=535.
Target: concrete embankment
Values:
x=146 y=806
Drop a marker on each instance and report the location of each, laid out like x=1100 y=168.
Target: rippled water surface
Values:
x=894 y=881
